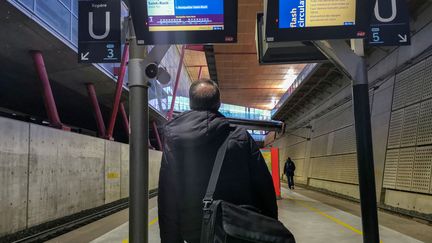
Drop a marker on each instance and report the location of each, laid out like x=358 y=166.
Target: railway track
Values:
x=41 y=234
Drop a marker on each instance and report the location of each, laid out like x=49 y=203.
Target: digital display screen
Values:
x=185 y=15
x=316 y=13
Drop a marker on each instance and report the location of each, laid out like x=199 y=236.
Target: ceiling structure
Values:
x=241 y=79
x=196 y=62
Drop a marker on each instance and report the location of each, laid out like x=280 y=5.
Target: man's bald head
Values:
x=204 y=95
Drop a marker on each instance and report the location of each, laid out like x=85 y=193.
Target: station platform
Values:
x=311 y=216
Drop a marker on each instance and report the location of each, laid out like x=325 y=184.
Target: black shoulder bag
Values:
x=224 y=222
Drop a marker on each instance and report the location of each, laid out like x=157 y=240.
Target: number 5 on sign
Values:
x=376 y=35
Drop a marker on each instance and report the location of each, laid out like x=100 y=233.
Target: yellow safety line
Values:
x=153 y=221
x=150 y=224
x=336 y=220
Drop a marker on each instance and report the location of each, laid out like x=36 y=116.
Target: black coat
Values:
x=289 y=168
x=190 y=146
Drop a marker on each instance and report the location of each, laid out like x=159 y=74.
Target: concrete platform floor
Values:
x=311 y=216
x=416 y=228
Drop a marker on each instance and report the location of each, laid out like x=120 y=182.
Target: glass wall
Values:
x=258 y=135
x=232 y=111
x=60 y=16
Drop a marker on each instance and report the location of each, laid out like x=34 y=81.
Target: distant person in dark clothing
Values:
x=191 y=142
x=289 y=172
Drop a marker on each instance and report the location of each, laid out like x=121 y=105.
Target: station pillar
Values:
x=351 y=62
x=47 y=94
x=118 y=91
x=276 y=172
x=125 y=118
x=96 y=110
x=141 y=71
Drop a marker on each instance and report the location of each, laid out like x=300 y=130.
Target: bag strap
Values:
x=220 y=156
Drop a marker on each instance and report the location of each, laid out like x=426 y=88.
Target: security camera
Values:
x=151 y=70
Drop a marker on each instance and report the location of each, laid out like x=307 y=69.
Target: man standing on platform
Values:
x=191 y=142
x=289 y=172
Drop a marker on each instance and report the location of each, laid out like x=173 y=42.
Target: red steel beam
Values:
x=118 y=92
x=200 y=73
x=156 y=131
x=96 y=109
x=125 y=118
x=179 y=69
x=47 y=94
x=195 y=47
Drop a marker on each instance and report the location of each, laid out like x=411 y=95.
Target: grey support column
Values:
x=354 y=66
x=138 y=100
x=365 y=156
x=139 y=76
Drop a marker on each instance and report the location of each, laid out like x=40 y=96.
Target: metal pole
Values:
x=118 y=91
x=96 y=109
x=365 y=159
x=138 y=86
x=179 y=69
x=354 y=66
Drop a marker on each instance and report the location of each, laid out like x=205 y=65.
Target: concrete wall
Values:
x=112 y=171
x=14 y=153
x=124 y=183
x=401 y=110
x=66 y=174
x=47 y=173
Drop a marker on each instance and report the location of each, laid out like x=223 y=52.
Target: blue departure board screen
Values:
x=185 y=15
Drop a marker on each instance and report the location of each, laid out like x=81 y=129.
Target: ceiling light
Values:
x=272 y=104
x=289 y=79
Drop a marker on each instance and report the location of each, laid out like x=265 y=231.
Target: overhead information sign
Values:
x=184 y=21
x=291 y=52
x=186 y=15
x=99 y=31
x=316 y=13
x=390 y=24
x=306 y=20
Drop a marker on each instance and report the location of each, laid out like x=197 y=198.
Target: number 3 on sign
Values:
x=110 y=50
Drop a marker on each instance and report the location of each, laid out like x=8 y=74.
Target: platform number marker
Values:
x=99 y=36
x=390 y=24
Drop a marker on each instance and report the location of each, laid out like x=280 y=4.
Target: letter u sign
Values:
x=393 y=15
x=107 y=26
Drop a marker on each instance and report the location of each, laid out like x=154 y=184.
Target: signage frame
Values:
x=357 y=31
x=394 y=31
x=284 y=52
x=95 y=46
x=146 y=37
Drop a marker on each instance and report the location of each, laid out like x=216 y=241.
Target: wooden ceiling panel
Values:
x=194 y=58
x=194 y=73
x=241 y=79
